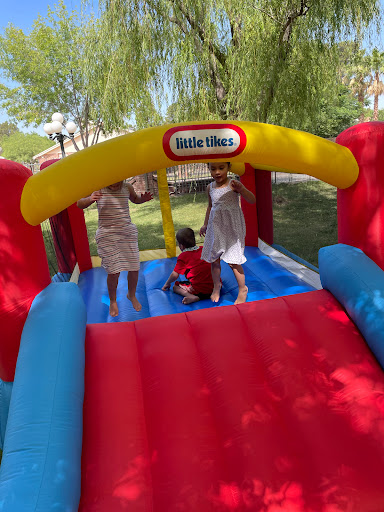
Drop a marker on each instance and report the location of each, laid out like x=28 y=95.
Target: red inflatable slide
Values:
x=271 y=406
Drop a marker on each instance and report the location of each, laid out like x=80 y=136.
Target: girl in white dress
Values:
x=224 y=228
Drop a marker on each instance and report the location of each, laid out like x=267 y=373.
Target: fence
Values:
x=191 y=178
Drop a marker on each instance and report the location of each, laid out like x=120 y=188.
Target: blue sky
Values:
x=22 y=13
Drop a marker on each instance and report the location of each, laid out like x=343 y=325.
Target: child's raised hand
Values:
x=147 y=196
x=236 y=185
x=95 y=196
x=203 y=230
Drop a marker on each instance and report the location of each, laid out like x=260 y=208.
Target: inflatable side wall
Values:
x=358 y=284
x=40 y=470
x=23 y=262
x=361 y=207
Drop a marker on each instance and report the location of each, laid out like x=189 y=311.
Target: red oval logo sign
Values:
x=204 y=141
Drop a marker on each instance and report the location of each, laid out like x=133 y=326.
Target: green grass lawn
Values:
x=305 y=219
x=187 y=210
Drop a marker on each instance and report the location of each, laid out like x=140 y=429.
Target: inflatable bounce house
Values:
x=275 y=405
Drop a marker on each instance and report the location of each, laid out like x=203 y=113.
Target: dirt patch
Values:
x=280 y=200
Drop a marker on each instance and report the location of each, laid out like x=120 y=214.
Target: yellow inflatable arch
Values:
x=263 y=146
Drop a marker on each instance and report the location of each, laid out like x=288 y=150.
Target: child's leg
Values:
x=133 y=277
x=240 y=278
x=112 y=280
x=188 y=297
x=216 y=272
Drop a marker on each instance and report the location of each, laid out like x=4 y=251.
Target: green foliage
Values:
x=337 y=115
x=268 y=60
x=45 y=65
x=376 y=87
x=52 y=69
x=21 y=147
x=368 y=114
x=358 y=76
x=8 y=128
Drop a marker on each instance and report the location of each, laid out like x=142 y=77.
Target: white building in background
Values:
x=55 y=151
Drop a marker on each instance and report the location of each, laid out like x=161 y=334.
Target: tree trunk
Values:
x=376 y=99
x=360 y=99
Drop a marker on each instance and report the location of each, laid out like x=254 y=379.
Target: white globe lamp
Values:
x=57 y=127
x=48 y=129
x=71 y=127
x=58 y=117
x=54 y=131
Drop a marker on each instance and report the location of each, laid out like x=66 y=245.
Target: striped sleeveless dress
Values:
x=116 y=236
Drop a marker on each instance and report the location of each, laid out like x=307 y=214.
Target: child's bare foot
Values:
x=135 y=303
x=242 y=296
x=215 y=296
x=113 y=309
x=190 y=300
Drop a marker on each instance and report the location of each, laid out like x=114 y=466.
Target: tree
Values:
x=51 y=68
x=21 y=147
x=376 y=87
x=8 y=128
x=368 y=115
x=359 y=78
x=266 y=60
x=336 y=116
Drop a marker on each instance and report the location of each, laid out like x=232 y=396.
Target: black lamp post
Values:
x=56 y=127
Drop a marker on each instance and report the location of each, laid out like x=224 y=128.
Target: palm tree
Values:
x=359 y=79
x=376 y=87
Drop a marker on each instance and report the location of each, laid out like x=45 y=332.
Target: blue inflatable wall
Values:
x=41 y=466
x=5 y=398
x=358 y=284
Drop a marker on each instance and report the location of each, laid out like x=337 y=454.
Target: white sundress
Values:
x=225 y=236
x=116 y=236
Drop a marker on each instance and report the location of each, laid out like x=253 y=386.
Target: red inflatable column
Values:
x=361 y=206
x=264 y=205
x=24 y=267
x=250 y=210
x=80 y=237
x=70 y=236
x=62 y=235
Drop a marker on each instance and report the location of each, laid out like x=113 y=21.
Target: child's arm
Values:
x=171 y=279
x=147 y=196
x=87 y=201
x=237 y=186
x=203 y=228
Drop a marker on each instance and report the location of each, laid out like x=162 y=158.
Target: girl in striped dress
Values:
x=116 y=237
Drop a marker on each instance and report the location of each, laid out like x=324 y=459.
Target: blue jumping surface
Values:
x=264 y=277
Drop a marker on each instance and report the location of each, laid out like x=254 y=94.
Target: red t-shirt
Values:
x=196 y=270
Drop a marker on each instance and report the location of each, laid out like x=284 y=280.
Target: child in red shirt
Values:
x=199 y=284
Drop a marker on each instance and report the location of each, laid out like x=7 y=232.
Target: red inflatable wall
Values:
x=361 y=206
x=23 y=261
x=80 y=237
x=264 y=205
x=250 y=210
